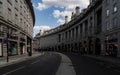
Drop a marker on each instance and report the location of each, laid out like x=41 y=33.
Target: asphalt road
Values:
x=48 y=65
x=43 y=65
x=87 y=66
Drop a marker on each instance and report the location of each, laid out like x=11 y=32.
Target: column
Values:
x=5 y=45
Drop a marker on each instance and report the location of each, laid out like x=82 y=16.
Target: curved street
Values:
x=53 y=63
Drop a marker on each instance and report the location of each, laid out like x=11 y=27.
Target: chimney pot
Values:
x=66 y=19
x=77 y=10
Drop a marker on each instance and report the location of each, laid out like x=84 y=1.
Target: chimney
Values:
x=77 y=10
x=66 y=19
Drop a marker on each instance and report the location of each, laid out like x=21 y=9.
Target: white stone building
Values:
x=16 y=24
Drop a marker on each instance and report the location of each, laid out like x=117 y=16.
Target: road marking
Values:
x=14 y=70
x=35 y=62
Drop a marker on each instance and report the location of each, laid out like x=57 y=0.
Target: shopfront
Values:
x=22 y=48
x=12 y=48
x=111 y=45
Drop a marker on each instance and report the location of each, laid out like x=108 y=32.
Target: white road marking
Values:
x=14 y=70
x=35 y=62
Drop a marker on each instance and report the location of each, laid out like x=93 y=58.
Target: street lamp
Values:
x=5 y=41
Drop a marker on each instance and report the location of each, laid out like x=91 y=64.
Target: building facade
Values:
x=16 y=26
x=93 y=31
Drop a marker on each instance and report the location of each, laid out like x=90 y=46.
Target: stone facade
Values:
x=88 y=31
x=16 y=25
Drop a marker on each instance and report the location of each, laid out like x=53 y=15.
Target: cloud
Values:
x=41 y=6
x=60 y=16
x=68 y=5
x=61 y=21
x=38 y=28
x=65 y=3
x=56 y=13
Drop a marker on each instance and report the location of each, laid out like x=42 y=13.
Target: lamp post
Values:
x=7 y=47
x=5 y=41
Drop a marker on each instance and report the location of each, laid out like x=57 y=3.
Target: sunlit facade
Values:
x=95 y=30
x=16 y=24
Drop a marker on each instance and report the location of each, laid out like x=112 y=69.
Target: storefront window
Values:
x=12 y=48
x=0 y=8
x=111 y=45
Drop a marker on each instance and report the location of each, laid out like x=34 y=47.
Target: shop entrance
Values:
x=97 y=46
x=12 y=48
x=22 y=48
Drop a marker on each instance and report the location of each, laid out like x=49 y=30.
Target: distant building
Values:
x=95 y=30
x=36 y=42
x=16 y=24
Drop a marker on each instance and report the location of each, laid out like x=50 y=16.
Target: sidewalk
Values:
x=16 y=59
x=107 y=59
x=66 y=67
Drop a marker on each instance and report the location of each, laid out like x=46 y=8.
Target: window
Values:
x=16 y=18
x=69 y=34
x=108 y=12
x=16 y=1
x=114 y=1
x=21 y=20
x=0 y=7
x=114 y=22
x=0 y=27
x=9 y=13
x=59 y=38
x=107 y=2
x=108 y=26
x=9 y=1
x=66 y=35
x=76 y=32
x=16 y=8
x=81 y=28
x=90 y=26
x=73 y=33
x=115 y=8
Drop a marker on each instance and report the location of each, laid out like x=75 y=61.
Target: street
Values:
x=87 y=66
x=46 y=64
x=49 y=63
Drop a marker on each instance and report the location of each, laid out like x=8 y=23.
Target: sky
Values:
x=50 y=13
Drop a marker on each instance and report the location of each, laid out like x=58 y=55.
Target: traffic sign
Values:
x=5 y=40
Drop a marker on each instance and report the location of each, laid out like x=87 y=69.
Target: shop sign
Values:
x=5 y=40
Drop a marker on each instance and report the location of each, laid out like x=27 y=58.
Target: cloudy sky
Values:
x=51 y=13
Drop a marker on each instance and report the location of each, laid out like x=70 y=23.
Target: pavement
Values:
x=88 y=65
x=17 y=58
x=106 y=59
